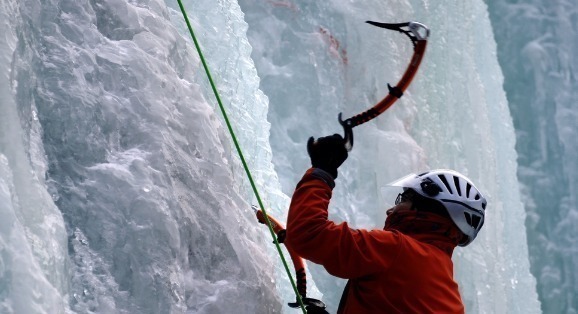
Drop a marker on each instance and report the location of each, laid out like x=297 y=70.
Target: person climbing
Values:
x=404 y=268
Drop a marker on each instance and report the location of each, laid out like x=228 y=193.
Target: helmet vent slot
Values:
x=477 y=197
x=443 y=178
x=476 y=221
x=468 y=188
x=468 y=218
x=457 y=183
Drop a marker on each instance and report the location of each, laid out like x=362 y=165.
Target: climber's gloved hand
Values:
x=327 y=153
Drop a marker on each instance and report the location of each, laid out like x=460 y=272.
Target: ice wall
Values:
x=119 y=190
x=108 y=142
x=316 y=59
x=537 y=46
x=32 y=236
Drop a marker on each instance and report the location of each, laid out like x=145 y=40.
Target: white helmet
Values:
x=463 y=201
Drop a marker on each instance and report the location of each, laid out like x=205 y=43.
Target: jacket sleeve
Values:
x=344 y=252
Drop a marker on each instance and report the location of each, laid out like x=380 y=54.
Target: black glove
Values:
x=327 y=153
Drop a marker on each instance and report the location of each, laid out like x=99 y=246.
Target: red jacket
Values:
x=388 y=272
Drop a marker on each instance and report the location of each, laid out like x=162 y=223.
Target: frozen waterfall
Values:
x=120 y=191
x=537 y=46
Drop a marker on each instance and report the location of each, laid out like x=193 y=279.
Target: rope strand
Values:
x=253 y=186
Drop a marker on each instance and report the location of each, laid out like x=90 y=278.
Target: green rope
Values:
x=241 y=156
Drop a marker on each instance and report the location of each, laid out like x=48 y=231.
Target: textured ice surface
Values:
x=119 y=188
x=33 y=274
x=537 y=47
x=316 y=59
x=103 y=99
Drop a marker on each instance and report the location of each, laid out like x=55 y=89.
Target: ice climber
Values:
x=405 y=267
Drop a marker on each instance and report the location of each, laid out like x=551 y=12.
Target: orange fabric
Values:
x=388 y=271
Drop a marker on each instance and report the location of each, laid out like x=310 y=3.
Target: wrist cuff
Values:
x=323 y=176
